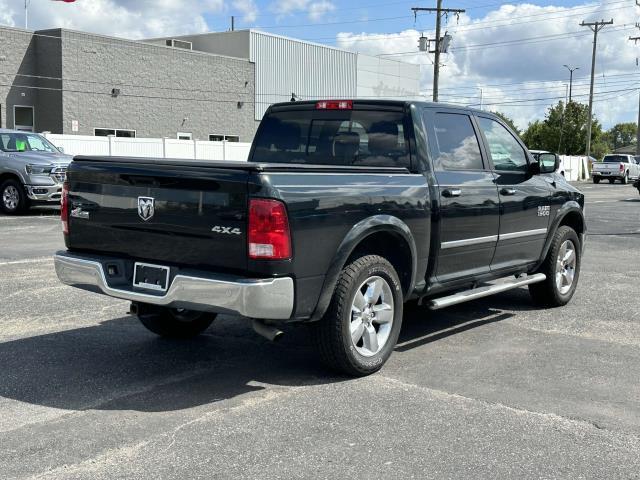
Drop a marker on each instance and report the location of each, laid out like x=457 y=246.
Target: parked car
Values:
x=616 y=167
x=344 y=211
x=32 y=171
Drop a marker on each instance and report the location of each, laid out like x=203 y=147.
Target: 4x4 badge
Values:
x=146 y=208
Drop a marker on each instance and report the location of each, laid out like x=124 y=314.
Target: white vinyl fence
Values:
x=151 y=147
x=573 y=166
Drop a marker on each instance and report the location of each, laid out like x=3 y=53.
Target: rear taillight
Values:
x=64 y=210
x=335 y=105
x=269 y=237
x=621 y=167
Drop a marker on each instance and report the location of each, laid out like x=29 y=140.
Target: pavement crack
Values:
x=553 y=417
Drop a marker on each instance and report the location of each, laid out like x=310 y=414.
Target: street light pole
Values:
x=571 y=70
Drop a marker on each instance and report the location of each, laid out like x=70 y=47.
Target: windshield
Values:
x=25 y=142
x=615 y=159
x=334 y=137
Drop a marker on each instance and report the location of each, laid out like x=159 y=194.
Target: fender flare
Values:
x=359 y=232
x=569 y=207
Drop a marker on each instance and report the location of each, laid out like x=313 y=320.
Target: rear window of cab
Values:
x=333 y=137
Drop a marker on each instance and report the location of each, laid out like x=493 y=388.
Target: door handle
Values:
x=452 y=192
x=508 y=191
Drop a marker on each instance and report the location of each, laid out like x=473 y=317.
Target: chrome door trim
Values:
x=468 y=241
x=524 y=233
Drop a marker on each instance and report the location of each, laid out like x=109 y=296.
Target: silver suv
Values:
x=32 y=171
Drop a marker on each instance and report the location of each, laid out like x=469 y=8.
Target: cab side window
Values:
x=456 y=142
x=506 y=152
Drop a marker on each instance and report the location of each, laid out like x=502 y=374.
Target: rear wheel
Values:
x=562 y=268
x=13 y=198
x=624 y=180
x=172 y=322
x=596 y=179
x=360 y=329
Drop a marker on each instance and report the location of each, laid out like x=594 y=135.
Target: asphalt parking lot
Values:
x=489 y=389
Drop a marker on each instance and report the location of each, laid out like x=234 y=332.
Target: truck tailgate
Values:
x=188 y=215
x=613 y=168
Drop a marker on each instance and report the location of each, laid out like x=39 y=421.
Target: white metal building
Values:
x=286 y=66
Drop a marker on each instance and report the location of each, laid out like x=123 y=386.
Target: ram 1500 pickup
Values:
x=345 y=211
x=616 y=167
x=32 y=171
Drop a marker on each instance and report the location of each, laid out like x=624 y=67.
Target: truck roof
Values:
x=382 y=102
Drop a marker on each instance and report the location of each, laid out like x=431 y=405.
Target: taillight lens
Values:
x=269 y=237
x=335 y=105
x=621 y=167
x=64 y=210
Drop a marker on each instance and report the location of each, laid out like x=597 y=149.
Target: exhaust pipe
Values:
x=269 y=332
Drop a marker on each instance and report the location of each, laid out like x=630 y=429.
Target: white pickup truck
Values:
x=616 y=167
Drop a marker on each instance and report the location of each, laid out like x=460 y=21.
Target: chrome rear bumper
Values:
x=270 y=298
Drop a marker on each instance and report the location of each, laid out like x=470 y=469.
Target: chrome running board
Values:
x=485 y=291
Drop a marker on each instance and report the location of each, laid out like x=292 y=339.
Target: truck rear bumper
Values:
x=270 y=298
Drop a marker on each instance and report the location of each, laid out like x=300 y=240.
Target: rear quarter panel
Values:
x=324 y=207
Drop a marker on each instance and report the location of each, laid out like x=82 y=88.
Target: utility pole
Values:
x=439 y=11
x=233 y=23
x=571 y=70
x=595 y=28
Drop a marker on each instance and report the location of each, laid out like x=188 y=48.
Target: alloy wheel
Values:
x=566 y=267
x=10 y=198
x=372 y=312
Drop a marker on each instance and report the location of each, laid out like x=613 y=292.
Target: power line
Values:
x=480 y=25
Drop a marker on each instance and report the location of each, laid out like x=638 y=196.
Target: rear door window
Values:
x=335 y=137
x=457 y=144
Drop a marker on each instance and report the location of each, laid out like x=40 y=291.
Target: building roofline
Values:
x=275 y=35
x=138 y=43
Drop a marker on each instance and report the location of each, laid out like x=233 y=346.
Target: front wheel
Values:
x=357 y=334
x=173 y=322
x=13 y=198
x=562 y=268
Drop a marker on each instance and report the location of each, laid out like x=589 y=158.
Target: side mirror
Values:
x=549 y=162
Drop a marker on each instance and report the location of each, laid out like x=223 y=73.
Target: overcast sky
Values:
x=513 y=51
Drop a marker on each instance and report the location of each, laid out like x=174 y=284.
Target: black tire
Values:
x=332 y=333
x=624 y=180
x=173 y=323
x=547 y=293
x=596 y=180
x=612 y=180
x=7 y=206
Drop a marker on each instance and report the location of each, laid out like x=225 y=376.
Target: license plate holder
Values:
x=151 y=277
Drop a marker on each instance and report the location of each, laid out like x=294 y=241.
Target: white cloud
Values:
x=315 y=10
x=248 y=8
x=122 y=18
x=537 y=68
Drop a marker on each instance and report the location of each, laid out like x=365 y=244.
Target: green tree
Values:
x=508 y=121
x=622 y=135
x=564 y=130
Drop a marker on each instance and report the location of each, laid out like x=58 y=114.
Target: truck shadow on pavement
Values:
x=117 y=365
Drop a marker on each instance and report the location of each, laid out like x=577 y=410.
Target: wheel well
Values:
x=392 y=247
x=573 y=220
x=7 y=176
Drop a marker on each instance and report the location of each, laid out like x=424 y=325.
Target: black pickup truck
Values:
x=345 y=211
